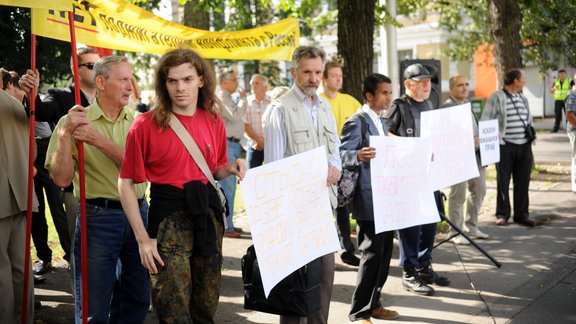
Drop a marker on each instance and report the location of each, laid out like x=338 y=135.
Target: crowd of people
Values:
x=167 y=248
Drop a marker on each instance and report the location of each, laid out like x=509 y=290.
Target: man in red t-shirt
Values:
x=185 y=225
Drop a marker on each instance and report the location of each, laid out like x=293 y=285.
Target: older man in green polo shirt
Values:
x=103 y=127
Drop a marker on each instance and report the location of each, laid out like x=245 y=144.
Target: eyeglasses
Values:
x=89 y=65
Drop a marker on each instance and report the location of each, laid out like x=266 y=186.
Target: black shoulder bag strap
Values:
x=408 y=121
x=514 y=104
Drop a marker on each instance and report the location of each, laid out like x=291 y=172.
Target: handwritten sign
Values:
x=289 y=213
x=489 y=141
x=452 y=144
x=401 y=189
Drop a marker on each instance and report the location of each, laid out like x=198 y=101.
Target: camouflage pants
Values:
x=187 y=288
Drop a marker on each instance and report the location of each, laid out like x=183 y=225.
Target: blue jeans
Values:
x=229 y=184
x=116 y=294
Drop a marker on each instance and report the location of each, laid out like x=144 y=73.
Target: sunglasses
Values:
x=89 y=65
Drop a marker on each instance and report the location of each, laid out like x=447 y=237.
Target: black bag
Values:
x=347 y=183
x=296 y=295
x=530 y=133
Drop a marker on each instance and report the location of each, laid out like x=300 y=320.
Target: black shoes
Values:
x=429 y=276
x=42 y=267
x=413 y=283
x=525 y=222
x=349 y=258
x=39 y=279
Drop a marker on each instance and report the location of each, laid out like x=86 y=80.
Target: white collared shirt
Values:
x=376 y=119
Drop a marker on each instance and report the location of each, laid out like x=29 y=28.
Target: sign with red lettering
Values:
x=401 y=188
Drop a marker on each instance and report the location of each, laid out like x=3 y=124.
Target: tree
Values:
x=356 y=45
x=540 y=32
x=506 y=21
x=52 y=56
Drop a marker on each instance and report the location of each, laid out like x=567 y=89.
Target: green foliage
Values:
x=549 y=32
x=52 y=56
x=548 y=29
x=469 y=20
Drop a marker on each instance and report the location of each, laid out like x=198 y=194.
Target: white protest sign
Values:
x=489 y=141
x=452 y=145
x=289 y=213
x=402 y=194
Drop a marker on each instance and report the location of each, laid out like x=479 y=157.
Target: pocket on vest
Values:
x=302 y=140
x=330 y=138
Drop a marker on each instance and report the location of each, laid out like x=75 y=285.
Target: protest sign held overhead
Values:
x=289 y=213
x=452 y=144
x=401 y=188
x=489 y=141
x=123 y=26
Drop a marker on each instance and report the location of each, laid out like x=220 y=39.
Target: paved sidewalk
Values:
x=536 y=283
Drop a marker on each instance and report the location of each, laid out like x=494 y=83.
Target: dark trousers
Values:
x=321 y=316
x=255 y=158
x=558 y=113
x=515 y=161
x=43 y=183
x=343 y=222
x=376 y=252
x=414 y=240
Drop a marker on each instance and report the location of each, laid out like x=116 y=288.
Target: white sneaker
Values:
x=460 y=240
x=479 y=234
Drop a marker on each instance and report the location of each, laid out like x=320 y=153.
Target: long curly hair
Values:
x=206 y=95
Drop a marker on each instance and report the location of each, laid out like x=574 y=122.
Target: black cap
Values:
x=417 y=72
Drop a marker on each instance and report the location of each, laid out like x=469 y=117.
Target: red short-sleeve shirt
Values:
x=159 y=156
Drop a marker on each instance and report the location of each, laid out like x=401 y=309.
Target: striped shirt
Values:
x=516 y=119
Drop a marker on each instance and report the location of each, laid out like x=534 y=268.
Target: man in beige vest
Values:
x=300 y=121
x=13 y=195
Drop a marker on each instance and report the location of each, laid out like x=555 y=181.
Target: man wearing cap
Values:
x=560 y=90
x=415 y=242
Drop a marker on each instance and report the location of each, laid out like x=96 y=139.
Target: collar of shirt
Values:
x=375 y=118
x=95 y=112
x=252 y=100
x=458 y=101
x=311 y=105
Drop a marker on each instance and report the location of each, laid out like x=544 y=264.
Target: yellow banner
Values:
x=45 y=4
x=120 y=25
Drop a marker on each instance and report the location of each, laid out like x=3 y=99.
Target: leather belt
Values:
x=110 y=203
x=233 y=139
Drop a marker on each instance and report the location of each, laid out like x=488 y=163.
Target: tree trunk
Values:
x=356 y=43
x=506 y=22
x=195 y=17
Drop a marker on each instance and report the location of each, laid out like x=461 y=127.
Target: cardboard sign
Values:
x=489 y=141
x=452 y=144
x=289 y=214
x=401 y=187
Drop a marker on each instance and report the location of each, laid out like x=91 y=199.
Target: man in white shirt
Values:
x=376 y=249
x=258 y=101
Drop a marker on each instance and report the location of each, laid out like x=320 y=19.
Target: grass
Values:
x=53 y=240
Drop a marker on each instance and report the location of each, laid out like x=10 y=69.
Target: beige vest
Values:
x=300 y=133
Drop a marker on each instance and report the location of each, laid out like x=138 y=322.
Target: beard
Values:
x=310 y=89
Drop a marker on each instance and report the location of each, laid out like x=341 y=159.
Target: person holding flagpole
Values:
x=103 y=126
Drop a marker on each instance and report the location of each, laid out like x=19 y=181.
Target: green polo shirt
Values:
x=100 y=171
